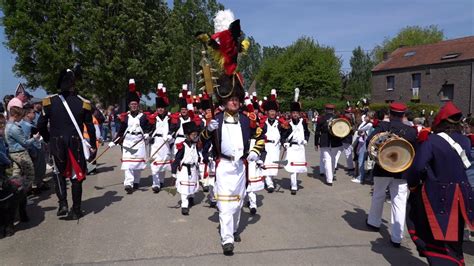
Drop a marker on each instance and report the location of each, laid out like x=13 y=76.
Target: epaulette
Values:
x=47 y=100
x=86 y=104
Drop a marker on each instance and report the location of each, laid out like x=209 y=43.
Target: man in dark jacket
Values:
x=395 y=182
x=64 y=140
x=328 y=143
x=441 y=199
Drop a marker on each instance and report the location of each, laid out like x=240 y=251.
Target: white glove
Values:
x=168 y=137
x=111 y=144
x=286 y=145
x=252 y=157
x=146 y=136
x=37 y=136
x=260 y=163
x=213 y=124
x=302 y=142
x=173 y=175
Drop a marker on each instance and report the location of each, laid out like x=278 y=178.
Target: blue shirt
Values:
x=4 y=160
x=15 y=138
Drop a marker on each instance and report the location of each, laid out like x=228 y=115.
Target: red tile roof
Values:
x=429 y=54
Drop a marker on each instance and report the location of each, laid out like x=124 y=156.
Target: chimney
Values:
x=385 y=56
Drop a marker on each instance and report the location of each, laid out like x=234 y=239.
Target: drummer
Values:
x=328 y=143
x=384 y=180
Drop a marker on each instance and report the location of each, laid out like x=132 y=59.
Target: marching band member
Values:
x=255 y=180
x=395 y=182
x=441 y=198
x=185 y=104
x=134 y=131
x=232 y=131
x=64 y=140
x=185 y=166
x=275 y=129
x=161 y=149
x=347 y=142
x=294 y=144
x=328 y=143
x=208 y=163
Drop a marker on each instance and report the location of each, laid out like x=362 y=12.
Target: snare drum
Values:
x=339 y=127
x=391 y=152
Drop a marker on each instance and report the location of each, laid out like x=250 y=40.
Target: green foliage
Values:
x=409 y=36
x=113 y=41
x=359 y=84
x=415 y=108
x=304 y=64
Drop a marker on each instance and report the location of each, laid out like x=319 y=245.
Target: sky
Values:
x=342 y=24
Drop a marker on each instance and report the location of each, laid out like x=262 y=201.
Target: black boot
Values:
x=22 y=210
x=60 y=188
x=76 y=189
x=228 y=249
x=63 y=208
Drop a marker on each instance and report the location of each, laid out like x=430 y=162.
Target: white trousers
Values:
x=230 y=190
x=399 y=194
x=229 y=220
x=347 y=149
x=294 y=181
x=185 y=200
x=328 y=155
x=269 y=181
x=158 y=178
x=131 y=176
x=252 y=199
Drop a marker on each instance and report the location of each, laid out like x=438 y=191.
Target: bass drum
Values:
x=391 y=152
x=339 y=127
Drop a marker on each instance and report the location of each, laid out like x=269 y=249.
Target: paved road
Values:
x=320 y=225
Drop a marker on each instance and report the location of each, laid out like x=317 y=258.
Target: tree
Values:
x=304 y=64
x=112 y=40
x=249 y=63
x=359 y=84
x=409 y=36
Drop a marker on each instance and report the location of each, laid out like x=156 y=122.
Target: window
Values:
x=415 y=85
x=447 y=92
x=450 y=56
x=390 y=83
x=410 y=53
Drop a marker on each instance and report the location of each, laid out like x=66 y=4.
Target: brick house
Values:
x=432 y=73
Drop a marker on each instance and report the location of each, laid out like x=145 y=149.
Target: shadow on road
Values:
x=315 y=173
x=285 y=183
x=36 y=212
x=394 y=256
x=356 y=219
x=98 y=204
x=468 y=247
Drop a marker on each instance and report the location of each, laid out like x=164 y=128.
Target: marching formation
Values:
x=232 y=145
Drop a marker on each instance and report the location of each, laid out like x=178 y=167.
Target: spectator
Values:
x=5 y=162
x=37 y=108
x=111 y=119
x=35 y=151
x=17 y=144
x=363 y=131
x=100 y=116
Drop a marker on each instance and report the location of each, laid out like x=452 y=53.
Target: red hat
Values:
x=448 y=110
x=398 y=107
x=329 y=106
